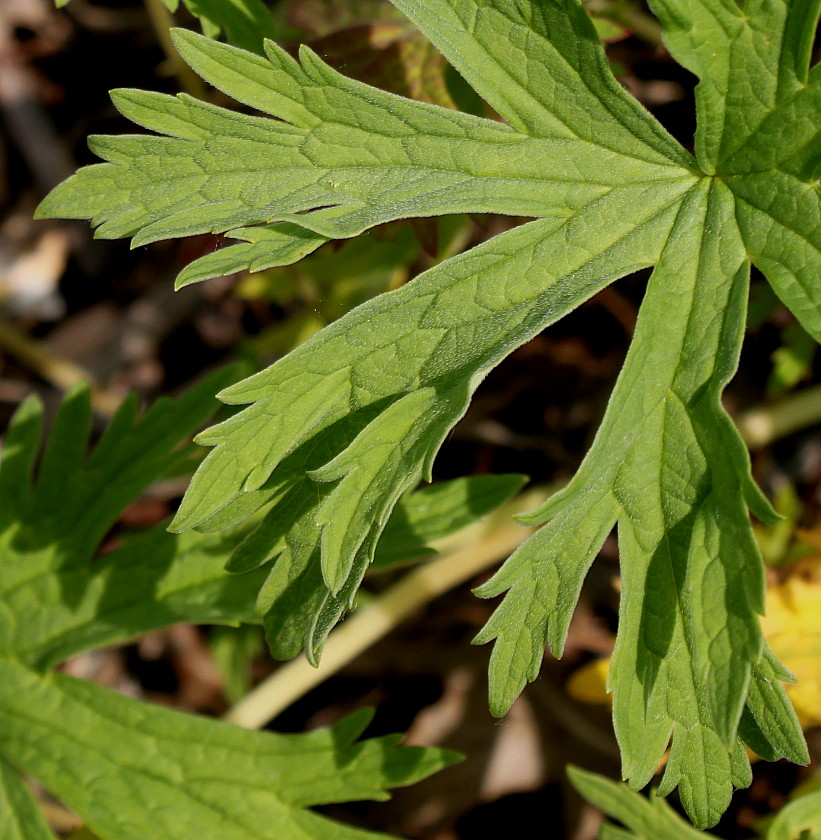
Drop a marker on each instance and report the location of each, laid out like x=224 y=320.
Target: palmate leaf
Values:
x=129 y=769
x=337 y=430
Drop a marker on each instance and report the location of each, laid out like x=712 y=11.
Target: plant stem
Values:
x=60 y=372
x=643 y=25
x=384 y=613
x=632 y=17
x=762 y=426
x=162 y=22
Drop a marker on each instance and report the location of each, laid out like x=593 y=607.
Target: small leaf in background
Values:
x=371 y=41
x=647 y=818
x=322 y=17
x=434 y=512
x=246 y=23
x=792 y=361
x=327 y=284
x=780 y=542
x=608 y=27
x=234 y=650
x=798 y=820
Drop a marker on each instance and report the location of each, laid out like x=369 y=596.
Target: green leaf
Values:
x=647 y=818
x=247 y=23
x=667 y=465
x=435 y=512
x=234 y=650
x=51 y=526
x=133 y=771
x=22 y=817
x=334 y=433
x=129 y=769
x=801 y=815
x=791 y=361
x=344 y=391
x=769 y=724
x=262 y=247
x=156 y=579
x=218 y=170
x=757 y=108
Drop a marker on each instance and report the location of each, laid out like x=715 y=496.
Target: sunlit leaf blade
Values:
x=542 y=67
x=749 y=61
x=196 y=777
x=669 y=467
x=333 y=434
x=758 y=109
x=780 y=219
x=342 y=157
x=412 y=358
x=20 y=815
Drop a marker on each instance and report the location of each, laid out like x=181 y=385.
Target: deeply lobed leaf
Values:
x=129 y=769
x=335 y=432
x=194 y=777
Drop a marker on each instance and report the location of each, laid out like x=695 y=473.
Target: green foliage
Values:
x=129 y=769
x=651 y=818
x=326 y=285
x=646 y=818
x=435 y=512
x=246 y=23
x=334 y=433
x=800 y=820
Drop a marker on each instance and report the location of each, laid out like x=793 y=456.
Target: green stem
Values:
x=385 y=612
x=632 y=17
x=162 y=22
x=762 y=426
x=642 y=25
